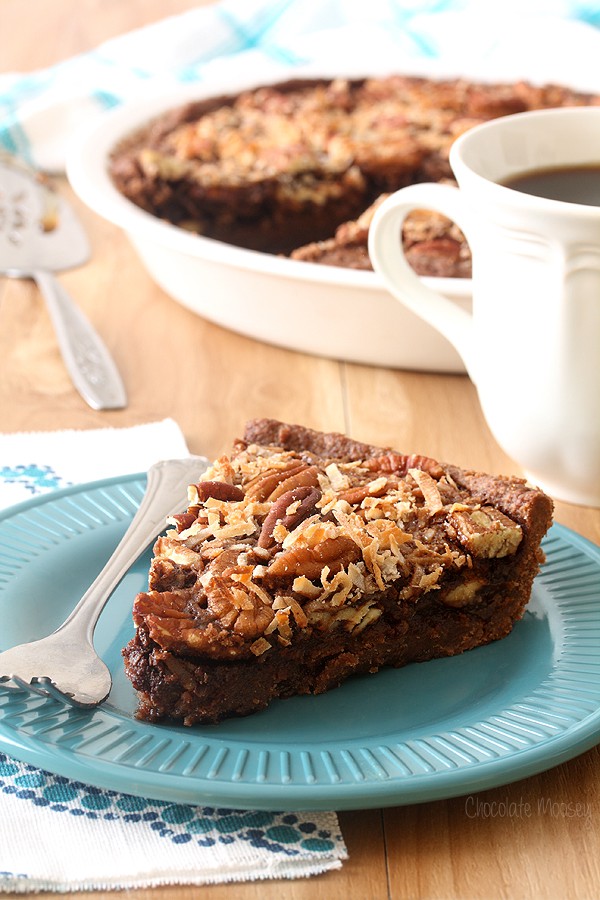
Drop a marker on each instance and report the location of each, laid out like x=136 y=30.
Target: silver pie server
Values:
x=40 y=234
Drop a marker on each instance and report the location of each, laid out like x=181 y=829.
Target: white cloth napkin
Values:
x=36 y=462
x=538 y=39
x=58 y=834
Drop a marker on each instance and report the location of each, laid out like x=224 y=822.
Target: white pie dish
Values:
x=324 y=310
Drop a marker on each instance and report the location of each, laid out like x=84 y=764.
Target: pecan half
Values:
x=220 y=490
x=303 y=501
x=262 y=486
x=308 y=476
x=336 y=553
x=226 y=562
x=237 y=608
x=356 y=495
x=400 y=463
x=185 y=520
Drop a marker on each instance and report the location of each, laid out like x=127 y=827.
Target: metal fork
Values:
x=65 y=664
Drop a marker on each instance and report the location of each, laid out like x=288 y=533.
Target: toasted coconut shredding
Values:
x=341 y=534
x=430 y=490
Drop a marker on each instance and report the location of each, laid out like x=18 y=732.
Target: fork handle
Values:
x=165 y=493
x=86 y=357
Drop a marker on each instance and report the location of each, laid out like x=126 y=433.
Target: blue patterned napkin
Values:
x=58 y=834
x=547 y=39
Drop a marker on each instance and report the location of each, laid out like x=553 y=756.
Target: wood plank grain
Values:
x=73 y=26
x=535 y=838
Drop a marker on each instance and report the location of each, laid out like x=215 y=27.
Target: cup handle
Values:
x=389 y=261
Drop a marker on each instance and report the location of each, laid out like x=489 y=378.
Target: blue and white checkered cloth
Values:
x=547 y=39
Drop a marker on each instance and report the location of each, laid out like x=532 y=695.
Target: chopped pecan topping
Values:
x=177 y=551
x=260 y=646
x=485 y=532
x=274 y=543
x=183 y=521
x=289 y=509
x=463 y=594
x=220 y=490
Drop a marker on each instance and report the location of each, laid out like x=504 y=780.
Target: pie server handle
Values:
x=88 y=362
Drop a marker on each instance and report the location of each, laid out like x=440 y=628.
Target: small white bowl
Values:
x=325 y=310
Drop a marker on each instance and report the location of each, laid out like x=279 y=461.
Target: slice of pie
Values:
x=304 y=558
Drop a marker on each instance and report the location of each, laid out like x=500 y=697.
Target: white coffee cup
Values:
x=532 y=343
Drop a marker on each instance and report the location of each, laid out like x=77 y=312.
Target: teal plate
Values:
x=425 y=732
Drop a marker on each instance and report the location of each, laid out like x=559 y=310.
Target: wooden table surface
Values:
x=211 y=380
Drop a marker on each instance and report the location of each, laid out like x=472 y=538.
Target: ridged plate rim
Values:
x=556 y=718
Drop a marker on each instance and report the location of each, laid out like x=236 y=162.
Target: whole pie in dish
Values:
x=295 y=168
x=304 y=558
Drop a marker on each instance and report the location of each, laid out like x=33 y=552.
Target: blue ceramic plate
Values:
x=429 y=731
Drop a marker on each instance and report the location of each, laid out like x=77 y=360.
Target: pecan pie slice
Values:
x=304 y=558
